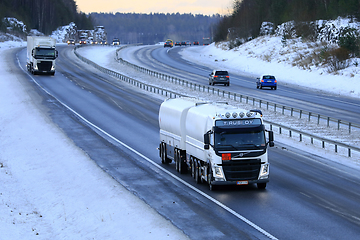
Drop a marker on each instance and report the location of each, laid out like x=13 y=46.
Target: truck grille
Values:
x=242 y=169
x=44 y=66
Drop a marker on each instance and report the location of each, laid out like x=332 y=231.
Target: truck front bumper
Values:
x=240 y=182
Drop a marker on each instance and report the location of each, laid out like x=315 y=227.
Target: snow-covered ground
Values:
x=50 y=189
x=267 y=55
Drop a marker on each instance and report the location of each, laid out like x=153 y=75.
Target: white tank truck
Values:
x=218 y=143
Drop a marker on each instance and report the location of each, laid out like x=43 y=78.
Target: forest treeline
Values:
x=156 y=27
x=248 y=15
x=44 y=15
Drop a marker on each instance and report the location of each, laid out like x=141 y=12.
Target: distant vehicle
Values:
x=206 y=41
x=219 y=77
x=266 y=81
x=177 y=43
x=188 y=43
x=196 y=43
x=183 y=43
x=169 y=43
x=103 y=42
x=82 y=41
x=116 y=41
x=71 y=42
x=41 y=55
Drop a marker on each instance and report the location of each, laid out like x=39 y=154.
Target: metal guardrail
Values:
x=202 y=88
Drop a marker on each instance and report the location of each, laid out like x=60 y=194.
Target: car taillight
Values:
x=226 y=156
x=227 y=76
x=275 y=80
x=262 y=80
x=215 y=76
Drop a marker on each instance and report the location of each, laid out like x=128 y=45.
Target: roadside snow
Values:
x=267 y=55
x=50 y=189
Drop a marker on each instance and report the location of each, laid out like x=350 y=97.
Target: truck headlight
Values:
x=218 y=172
x=264 y=173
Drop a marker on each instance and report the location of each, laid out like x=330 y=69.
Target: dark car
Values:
x=71 y=42
x=219 y=77
x=82 y=41
x=177 y=43
x=266 y=81
x=183 y=43
x=196 y=43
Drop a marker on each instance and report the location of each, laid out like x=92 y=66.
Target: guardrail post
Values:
x=309 y=116
x=328 y=121
x=349 y=127
x=283 y=110
x=336 y=148
x=290 y=135
x=318 y=119
x=300 y=112
x=339 y=124
x=349 y=152
x=323 y=144
x=259 y=103
x=300 y=137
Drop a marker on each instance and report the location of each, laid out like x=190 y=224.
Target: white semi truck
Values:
x=220 y=144
x=41 y=54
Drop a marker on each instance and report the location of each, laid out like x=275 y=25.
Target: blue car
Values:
x=266 y=81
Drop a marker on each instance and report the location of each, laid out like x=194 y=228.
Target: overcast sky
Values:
x=206 y=7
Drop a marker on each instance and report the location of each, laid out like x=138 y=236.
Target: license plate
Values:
x=242 y=182
x=269 y=81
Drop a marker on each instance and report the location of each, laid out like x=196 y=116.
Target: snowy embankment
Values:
x=50 y=189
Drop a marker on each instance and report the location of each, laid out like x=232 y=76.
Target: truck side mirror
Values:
x=56 y=53
x=206 y=141
x=271 y=139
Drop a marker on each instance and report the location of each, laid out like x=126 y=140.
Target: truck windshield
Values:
x=44 y=53
x=240 y=140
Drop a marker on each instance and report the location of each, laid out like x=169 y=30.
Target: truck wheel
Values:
x=261 y=185
x=197 y=175
x=164 y=159
x=209 y=178
x=192 y=164
x=176 y=158
x=182 y=164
